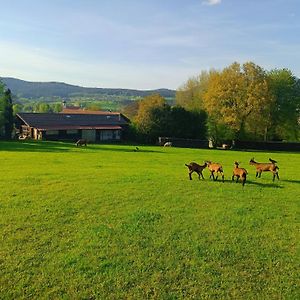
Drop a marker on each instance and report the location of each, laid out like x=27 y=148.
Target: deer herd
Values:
x=216 y=169
x=238 y=173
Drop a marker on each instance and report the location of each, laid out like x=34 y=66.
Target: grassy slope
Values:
x=107 y=222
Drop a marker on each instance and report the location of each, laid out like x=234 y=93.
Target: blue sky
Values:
x=144 y=44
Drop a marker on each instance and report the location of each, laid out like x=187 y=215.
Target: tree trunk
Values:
x=266 y=134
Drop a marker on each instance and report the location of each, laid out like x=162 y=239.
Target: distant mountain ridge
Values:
x=28 y=89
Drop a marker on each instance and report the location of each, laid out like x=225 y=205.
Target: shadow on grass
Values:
x=127 y=149
x=267 y=185
x=52 y=146
x=35 y=146
x=249 y=182
x=291 y=181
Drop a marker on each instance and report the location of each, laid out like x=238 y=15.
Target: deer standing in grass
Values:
x=81 y=142
x=215 y=168
x=265 y=167
x=194 y=167
x=239 y=173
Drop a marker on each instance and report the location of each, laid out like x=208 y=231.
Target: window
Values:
x=72 y=131
x=117 y=135
x=52 y=132
x=106 y=135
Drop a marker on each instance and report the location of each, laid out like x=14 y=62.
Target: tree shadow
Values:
x=35 y=146
x=55 y=146
x=128 y=149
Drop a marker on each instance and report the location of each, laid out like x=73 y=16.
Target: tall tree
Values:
x=2 y=119
x=144 y=119
x=156 y=118
x=286 y=110
x=6 y=112
x=190 y=94
x=131 y=110
x=239 y=98
x=187 y=124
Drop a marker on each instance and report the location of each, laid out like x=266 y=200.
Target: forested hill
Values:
x=29 y=89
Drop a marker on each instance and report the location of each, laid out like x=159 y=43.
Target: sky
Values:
x=144 y=44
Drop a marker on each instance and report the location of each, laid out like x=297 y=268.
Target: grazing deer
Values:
x=81 y=142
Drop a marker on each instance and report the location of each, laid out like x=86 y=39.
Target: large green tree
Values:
x=187 y=124
x=190 y=94
x=131 y=109
x=146 y=105
x=6 y=112
x=239 y=98
x=285 y=114
x=157 y=118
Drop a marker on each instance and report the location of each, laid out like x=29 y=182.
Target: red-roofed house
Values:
x=93 y=126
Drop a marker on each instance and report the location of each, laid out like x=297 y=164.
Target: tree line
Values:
x=153 y=117
x=245 y=102
x=242 y=102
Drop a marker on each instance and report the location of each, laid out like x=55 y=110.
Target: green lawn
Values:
x=105 y=222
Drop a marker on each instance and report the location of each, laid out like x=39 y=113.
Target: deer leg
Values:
x=202 y=175
x=277 y=175
x=190 y=175
x=232 y=177
x=222 y=177
x=243 y=180
x=217 y=173
x=237 y=178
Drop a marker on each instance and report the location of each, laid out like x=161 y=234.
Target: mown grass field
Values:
x=105 y=222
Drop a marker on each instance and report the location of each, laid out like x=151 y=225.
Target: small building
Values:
x=92 y=126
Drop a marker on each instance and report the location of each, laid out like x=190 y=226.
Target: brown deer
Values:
x=81 y=142
x=215 y=168
x=265 y=167
x=239 y=173
x=194 y=167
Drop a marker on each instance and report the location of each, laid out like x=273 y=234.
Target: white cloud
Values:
x=212 y=2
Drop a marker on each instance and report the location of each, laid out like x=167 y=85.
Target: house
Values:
x=92 y=126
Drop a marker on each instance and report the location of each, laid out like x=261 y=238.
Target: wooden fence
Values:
x=239 y=145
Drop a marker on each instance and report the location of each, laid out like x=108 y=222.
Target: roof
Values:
x=79 y=127
x=79 y=110
x=55 y=121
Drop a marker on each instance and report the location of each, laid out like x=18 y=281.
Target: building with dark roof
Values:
x=104 y=126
